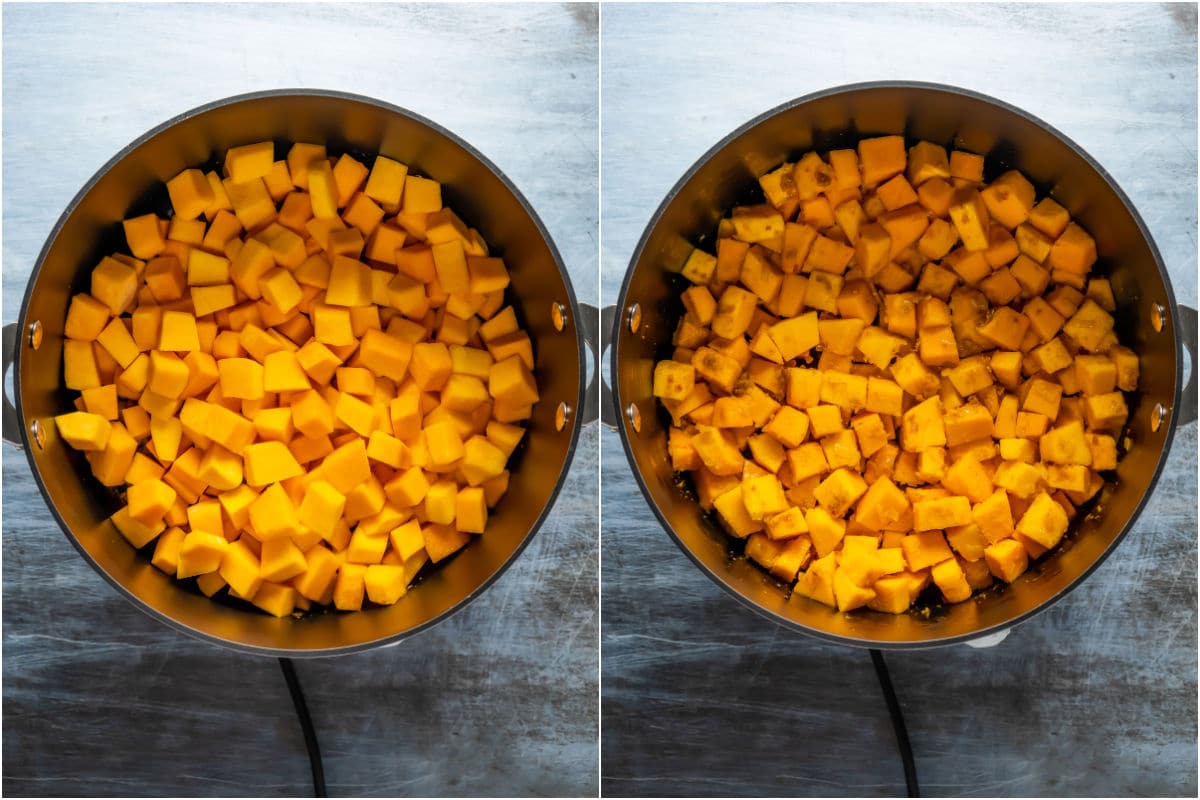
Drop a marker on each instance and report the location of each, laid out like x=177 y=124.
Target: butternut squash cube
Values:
x=350 y=587
x=763 y=497
x=385 y=355
x=442 y=541
x=1006 y=559
x=923 y=550
x=778 y=342
x=408 y=488
x=149 y=500
x=825 y=531
x=190 y=194
x=114 y=284
x=927 y=160
x=923 y=426
x=817 y=582
x=241 y=378
x=440 y=502
x=166 y=550
x=272 y=514
x=1009 y=198
x=269 y=462
x=839 y=491
x=905 y=226
x=332 y=326
x=1105 y=412
x=717 y=453
x=144 y=236
x=884 y=397
x=1044 y=522
x=967 y=423
x=949 y=577
x=349 y=283
x=470 y=510
x=1089 y=326
x=786 y=524
x=168 y=375
x=847 y=593
x=200 y=552
x=281 y=560
x=969 y=213
x=278 y=600
x=1018 y=478
x=317 y=581
x=321 y=508
x=880 y=158
x=385 y=583
x=84 y=431
x=250 y=161
x=179 y=333
x=731 y=508
x=1074 y=251
x=941 y=513
x=672 y=380
x=510 y=380
x=421 y=195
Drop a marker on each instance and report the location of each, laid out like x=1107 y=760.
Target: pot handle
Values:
x=11 y=424
x=1187 y=398
x=598 y=402
x=991 y=640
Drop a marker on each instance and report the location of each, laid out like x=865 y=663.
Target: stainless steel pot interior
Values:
x=133 y=183
x=726 y=176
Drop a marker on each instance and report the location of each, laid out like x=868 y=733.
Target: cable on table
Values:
x=306 y=725
x=893 y=704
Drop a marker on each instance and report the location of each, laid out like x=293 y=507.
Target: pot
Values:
x=1148 y=321
x=133 y=183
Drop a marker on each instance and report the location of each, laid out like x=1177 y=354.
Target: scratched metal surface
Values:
x=99 y=699
x=1095 y=696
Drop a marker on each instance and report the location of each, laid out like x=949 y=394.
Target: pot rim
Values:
x=619 y=319
x=576 y=424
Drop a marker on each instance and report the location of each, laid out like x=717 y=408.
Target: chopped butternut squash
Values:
x=890 y=345
x=319 y=379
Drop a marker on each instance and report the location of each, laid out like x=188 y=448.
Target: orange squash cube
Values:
x=269 y=462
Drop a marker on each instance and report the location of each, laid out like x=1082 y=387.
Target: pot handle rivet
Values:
x=561 y=415
x=558 y=316
x=635 y=317
x=38 y=434
x=11 y=422
x=635 y=416
x=1158 y=317
x=35 y=334
x=1157 y=415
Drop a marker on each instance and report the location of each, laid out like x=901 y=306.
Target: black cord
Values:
x=893 y=704
x=306 y=725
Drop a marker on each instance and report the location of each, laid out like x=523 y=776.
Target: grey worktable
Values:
x=1095 y=696
x=501 y=699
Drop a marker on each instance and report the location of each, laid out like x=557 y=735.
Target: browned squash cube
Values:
x=672 y=380
x=881 y=158
x=970 y=217
x=1044 y=522
x=1007 y=559
x=1009 y=199
x=1105 y=412
x=1074 y=251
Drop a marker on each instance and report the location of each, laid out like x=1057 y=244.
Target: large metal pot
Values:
x=1147 y=320
x=133 y=182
